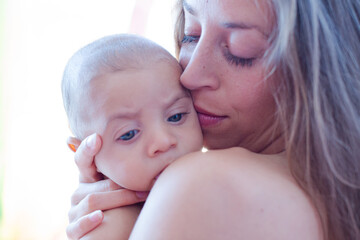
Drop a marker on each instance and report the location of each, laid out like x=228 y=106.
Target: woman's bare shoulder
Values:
x=228 y=194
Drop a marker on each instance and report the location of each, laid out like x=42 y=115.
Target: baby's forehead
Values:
x=120 y=73
x=151 y=67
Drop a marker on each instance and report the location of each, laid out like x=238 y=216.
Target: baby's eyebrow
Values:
x=177 y=98
x=131 y=114
x=126 y=115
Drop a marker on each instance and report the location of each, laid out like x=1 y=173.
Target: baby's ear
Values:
x=73 y=143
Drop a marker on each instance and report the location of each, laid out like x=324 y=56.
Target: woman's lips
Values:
x=207 y=119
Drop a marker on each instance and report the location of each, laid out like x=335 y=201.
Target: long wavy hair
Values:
x=315 y=48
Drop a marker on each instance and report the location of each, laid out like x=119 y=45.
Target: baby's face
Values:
x=146 y=120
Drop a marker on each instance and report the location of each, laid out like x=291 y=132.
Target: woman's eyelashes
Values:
x=230 y=58
x=128 y=135
x=189 y=39
x=238 y=61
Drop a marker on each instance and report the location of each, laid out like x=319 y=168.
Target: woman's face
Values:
x=221 y=54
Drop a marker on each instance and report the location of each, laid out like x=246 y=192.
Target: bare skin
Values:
x=260 y=184
x=141 y=134
x=93 y=189
x=117 y=223
x=242 y=196
x=231 y=193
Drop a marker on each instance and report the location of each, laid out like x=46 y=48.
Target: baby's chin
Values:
x=143 y=187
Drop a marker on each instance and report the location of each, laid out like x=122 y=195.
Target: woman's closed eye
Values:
x=189 y=39
x=244 y=62
x=128 y=135
x=232 y=59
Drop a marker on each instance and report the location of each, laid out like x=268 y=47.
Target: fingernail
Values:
x=95 y=216
x=91 y=141
x=72 y=147
x=142 y=195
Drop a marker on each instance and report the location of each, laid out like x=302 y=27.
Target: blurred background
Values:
x=37 y=37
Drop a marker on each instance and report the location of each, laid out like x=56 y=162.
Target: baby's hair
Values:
x=109 y=54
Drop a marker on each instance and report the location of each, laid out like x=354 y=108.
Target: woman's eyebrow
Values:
x=188 y=8
x=238 y=25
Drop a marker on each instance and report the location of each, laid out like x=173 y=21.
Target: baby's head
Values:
x=126 y=88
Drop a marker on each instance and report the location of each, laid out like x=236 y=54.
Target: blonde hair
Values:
x=314 y=47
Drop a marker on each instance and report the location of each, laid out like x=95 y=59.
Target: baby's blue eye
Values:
x=175 y=118
x=129 y=135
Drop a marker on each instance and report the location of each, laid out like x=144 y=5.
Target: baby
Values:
x=126 y=89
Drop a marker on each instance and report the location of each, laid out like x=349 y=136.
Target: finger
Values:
x=85 y=189
x=105 y=201
x=84 y=225
x=84 y=159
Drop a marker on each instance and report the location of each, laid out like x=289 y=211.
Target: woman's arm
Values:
x=227 y=194
x=93 y=193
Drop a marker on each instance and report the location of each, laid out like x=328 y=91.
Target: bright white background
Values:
x=39 y=37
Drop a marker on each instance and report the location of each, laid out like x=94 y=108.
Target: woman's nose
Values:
x=199 y=66
x=161 y=141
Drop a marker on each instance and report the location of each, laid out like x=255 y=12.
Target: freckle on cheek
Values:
x=203 y=67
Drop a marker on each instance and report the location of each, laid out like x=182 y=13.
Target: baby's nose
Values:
x=162 y=142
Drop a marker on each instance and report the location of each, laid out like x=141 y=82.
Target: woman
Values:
x=280 y=79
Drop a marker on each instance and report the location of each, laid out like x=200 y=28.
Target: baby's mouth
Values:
x=157 y=176
x=155 y=179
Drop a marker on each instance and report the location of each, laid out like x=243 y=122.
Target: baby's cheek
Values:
x=195 y=144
